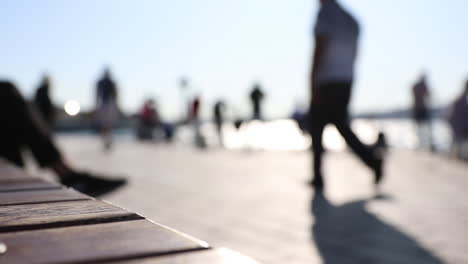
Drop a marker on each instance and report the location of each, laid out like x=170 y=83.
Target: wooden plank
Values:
x=11 y=172
x=212 y=256
x=41 y=196
x=48 y=215
x=26 y=184
x=94 y=243
x=13 y=178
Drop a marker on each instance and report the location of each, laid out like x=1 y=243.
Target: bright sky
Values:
x=223 y=46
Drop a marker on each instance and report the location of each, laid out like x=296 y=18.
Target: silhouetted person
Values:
x=195 y=109
x=106 y=107
x=336 y=43
x=459 y=120
x=299 y=116
x=218 y=113
x=187 y=104
x=44 y=103
x=256 y=98
x=24 y=128
x=238 y=123
x=195 y=120
x=421 y=111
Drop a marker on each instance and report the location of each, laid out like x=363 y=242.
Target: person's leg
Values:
x=428 y=129
x=107 y=138
x=25 y=129
x=219 y=131
x=368 y=154
x=318 y=150
x=364 y=152
x=340 y=118
x=419 y=134
x=315 y=124
x=10 y=145
x=256 y=111
x=105 y=117
x=423 y=128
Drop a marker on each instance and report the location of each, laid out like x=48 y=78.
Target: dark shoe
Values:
x=92 y=185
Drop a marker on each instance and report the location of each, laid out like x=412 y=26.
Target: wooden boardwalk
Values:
x=257 y=202
x=43 y=222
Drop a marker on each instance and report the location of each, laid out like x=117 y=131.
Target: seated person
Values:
x=148 y=120
x=23 y=128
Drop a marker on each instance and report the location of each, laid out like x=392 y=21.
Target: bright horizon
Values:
x=224 y=46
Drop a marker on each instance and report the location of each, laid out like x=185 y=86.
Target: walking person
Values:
x=44 y=103
x=107 y=111
x=218 y=113
x=256 y=98
x=336 y=43
x=421 y=112
x=199 y=139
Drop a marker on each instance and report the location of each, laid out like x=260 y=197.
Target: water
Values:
x=285 y=135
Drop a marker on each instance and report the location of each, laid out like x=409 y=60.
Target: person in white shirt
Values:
x=336 y=43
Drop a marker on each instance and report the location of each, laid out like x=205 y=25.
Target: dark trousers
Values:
x=257 y=111
x=332 y=108
x=22 y=128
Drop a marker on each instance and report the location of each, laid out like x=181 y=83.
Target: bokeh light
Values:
x=72 y=107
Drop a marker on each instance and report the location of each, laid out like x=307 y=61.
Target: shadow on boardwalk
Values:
x=348 y=234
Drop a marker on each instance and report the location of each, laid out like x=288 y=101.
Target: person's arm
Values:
x=321 y=42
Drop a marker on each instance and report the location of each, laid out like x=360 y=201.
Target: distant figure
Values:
x=336 y=44
x=106 y=107
x=44 y=103
x=459 y=120
x=148 y=120
x=218 y=112
x=299 y=116
x=421 y=112
x=195 y=109
x=238 y=122
x=256 y=98
x=195 y=120
x=186 y=109
x=25 y=129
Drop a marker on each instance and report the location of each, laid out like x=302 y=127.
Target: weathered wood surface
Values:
x=95 y=243
x=212 y=256
x=26 y=184
x=47 y=215
x=44 y=222
x=40 y=196
x=10 y=172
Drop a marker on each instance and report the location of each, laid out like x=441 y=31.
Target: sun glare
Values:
x=72 y=107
